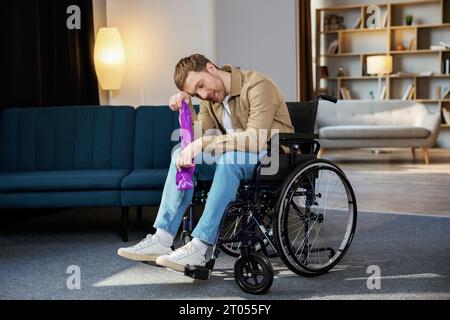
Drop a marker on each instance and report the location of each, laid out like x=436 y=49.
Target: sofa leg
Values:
x=125 y=223
x=139 y=214
x=320 y=153
x=426 y=155
x=413 y=150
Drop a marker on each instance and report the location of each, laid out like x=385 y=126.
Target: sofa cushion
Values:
x=153 y=132
x=145 y=179
x=67 y=138
x=373 y=132
x=371 y=112
x=28 y=181
x=156 y=135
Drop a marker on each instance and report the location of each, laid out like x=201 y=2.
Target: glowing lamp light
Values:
x=109 y=58
x=379 y=65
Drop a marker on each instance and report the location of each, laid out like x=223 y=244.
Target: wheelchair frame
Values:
x=250 y=207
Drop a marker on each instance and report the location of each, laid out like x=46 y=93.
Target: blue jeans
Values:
x=226 y=174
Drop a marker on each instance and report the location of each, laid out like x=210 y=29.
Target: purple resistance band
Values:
x=184 y=177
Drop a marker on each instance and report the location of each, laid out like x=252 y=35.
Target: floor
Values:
x=72 y=255
x=403 y=231
x=395 y=182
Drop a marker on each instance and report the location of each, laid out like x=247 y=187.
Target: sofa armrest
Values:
x=432 y=122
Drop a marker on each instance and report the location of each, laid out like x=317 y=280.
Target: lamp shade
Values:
x=109 y=58
x=379 y=64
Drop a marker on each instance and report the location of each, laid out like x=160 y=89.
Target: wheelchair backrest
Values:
x=303 y=115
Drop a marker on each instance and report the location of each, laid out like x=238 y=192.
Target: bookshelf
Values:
x=415 y=62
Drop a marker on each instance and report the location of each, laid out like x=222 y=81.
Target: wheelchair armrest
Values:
x=294 y=140
x=297 y=137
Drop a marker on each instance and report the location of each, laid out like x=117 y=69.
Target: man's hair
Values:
x=195 y=62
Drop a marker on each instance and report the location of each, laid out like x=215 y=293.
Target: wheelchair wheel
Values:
x=315 y=218
x=253 y=273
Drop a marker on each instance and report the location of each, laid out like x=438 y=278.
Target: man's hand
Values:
x=176 y=100
x=187 y=154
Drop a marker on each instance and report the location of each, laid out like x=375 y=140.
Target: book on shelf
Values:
x=357 y=23
x=412 y=93
x=383 y=93
x=412 y=44
x=345 y=94
x=447 y=66
x=349 y=96
x=384 y=20
x=437 y=92
x=408 y=92
x=446 y=94
x=333 y=47
x=446 y=115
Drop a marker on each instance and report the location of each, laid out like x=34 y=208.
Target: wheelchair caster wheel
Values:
x=253 y=273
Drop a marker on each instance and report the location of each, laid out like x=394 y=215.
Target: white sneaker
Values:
x=178 y=259
x=149 y=249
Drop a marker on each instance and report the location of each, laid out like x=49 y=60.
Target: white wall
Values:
x=251 y=34
x=156 y=34
x=261 y=35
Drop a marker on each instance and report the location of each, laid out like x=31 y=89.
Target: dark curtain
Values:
x=306 y=86
x=43 y=63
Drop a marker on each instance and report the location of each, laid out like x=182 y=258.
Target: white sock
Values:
x=164 y=237
x=200 y=245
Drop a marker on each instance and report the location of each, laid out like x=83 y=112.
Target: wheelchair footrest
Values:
x=197 y=272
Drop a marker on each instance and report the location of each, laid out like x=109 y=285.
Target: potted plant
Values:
x=409 y=20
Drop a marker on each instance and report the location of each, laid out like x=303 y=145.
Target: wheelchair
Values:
x=305 y=213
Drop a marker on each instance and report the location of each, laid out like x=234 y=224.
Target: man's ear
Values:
x=210 y=67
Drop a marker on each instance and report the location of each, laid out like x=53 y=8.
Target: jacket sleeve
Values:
x=264 y=102
x=203 y=117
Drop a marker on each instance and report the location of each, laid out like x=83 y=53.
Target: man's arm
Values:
x=203 y=116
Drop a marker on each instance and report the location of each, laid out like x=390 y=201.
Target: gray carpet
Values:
x=412 y=252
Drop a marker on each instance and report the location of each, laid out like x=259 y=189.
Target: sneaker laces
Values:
x=144 y=242
x=184 y=250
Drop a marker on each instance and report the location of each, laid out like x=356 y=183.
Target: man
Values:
x=245 y=106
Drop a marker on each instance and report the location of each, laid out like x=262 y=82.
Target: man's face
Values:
x=205 y=85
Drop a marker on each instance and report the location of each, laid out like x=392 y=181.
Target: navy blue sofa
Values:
x=87 y=156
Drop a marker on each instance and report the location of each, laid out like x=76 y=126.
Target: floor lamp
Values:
x=379 y=65
x=109 y=59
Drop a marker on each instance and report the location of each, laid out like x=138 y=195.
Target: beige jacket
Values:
x=255 y=103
